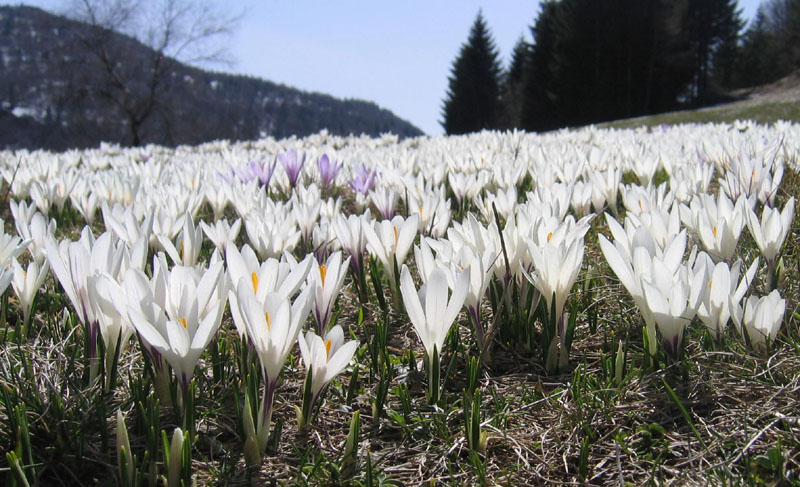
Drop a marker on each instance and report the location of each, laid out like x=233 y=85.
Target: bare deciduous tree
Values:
x=188 y=31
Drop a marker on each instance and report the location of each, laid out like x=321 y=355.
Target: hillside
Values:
x=51 y=95
x=768 y=103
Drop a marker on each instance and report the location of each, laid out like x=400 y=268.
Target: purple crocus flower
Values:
x=363 y=180
x=292 y=165
x=263 y=171
x=228 y=178
x=327 y=171
x=244 y=174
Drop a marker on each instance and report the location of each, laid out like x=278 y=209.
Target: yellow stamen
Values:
x=709 y=283
x=322 y=271
x=328 y=348
x=714 y=231
x=549 y=236
x=266 y=315
x=254 y=278
x=183 y=253
x=640 y=205
x=182 y=321
x=395 y=236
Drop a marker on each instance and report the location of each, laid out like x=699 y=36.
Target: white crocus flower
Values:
x=32 y=225
x=85 y=200
x=327 y=280
x=272 y=276
x=107 y=298
x=222 y=233
x=391 y=240
x=349 y=232
x=306 y=215
x=385 y=200
x=273 y=327
x=167 y=223
x=328 y=356
x=123 y=223
x=180 y=314
x=720 y=298
x=271 y=234
x=10 y=247
x=673 y=298
x=73 y=263
x=718 y=224
x=504 y=200
x=38 y=232
x=433 y=210
x=555 y=269
x=22 y=213
x=770 y=231
x=763 y=318
x=631 y=261
x=26 y=283
x=324 y=358
x=432 y=315
x=464 y=185
x=186 y=249
x=607 y=184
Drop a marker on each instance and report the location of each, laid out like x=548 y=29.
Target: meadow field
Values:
x=598 y=306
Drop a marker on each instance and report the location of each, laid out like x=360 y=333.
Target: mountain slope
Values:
x=51 y=95
x=764 y=104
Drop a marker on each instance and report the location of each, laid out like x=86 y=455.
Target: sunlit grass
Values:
x=764 y=113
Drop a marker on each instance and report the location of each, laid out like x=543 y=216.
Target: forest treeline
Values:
x=590 y=61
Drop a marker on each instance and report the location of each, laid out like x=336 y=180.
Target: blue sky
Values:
x=396 y=54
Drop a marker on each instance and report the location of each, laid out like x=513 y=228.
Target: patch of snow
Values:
x=25 y=112
x=214 y=84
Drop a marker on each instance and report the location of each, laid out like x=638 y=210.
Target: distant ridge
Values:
x=45 y=103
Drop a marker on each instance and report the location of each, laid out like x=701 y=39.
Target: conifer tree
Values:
x=473 y=96
x=712 y=28
x=513 y=85
x=539 y=111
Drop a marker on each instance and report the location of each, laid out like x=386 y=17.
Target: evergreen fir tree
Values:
x=473 y=96
x=539 y=111
x=712 y=27
x=598 y=60
x=513 y=86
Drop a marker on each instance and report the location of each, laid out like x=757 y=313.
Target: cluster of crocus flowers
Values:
x=390 y=241
x=720 y=299
x=633 y=257
x=761 y=318
x=177 y=312
x=508 y=231
x=73 y=263
x=717 y=224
